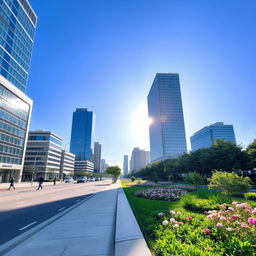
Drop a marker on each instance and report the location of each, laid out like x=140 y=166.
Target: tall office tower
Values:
x=103 y=165
x=167 y=129
x=125 y=165
x=17 y=30
x=139 y=159
x=97 y=156
x=43 y=155
x=81 y=134
x=208 y=135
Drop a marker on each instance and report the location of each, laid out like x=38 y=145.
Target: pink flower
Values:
x=189 y=218
x=172 y=220
x=223 y=218
x=207 y=231
x=229 y=229
x=254 y=210
x=245 y=226
x=219 y=225
x=235 y=217
x=252 y=221
x=234 y=203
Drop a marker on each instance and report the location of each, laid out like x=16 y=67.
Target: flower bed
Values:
x=161 y=193
x=228 y=231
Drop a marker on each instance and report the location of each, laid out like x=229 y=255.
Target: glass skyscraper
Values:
x=208 y=135
x=17 y=30
x=81 y=134
x=167 y=129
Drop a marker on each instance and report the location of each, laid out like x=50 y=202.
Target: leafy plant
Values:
x=194 y=178
x=133 y=178
x=250 y=195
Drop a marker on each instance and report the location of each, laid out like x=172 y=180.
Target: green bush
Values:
x=133 y=178
x=194 y=178
x=250 y=195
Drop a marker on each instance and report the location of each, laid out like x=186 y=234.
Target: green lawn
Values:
x=146 y=210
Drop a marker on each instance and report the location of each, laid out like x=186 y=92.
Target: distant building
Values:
x=97 y=156
x=43 y=155
x=139 y=159
x=81 y=134
x=83 y=166
x=167 y=130
x=103 y=165
x=67 y=165
x=125 y=165
x=208 y=135
x=17 y=30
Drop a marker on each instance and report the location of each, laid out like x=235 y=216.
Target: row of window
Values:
x=11 y=150
x=22 y=17
x=12 y=129
x=4 y=73
x=11 y=140
x=10 y=160
x=8 y=117
x=45 y=137
x=15 y=39
x=12 y=22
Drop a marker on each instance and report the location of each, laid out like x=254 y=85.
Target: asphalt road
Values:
x=24 y=208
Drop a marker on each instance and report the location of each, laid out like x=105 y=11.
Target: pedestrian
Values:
x=40 y=183
x=54 y=181
x=11 y=183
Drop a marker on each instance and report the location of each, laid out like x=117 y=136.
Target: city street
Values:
x=25 y=207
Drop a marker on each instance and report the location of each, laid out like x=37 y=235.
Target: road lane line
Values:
x=61 y=209
x=28 y=225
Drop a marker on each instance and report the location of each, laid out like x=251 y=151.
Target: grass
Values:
x=146 y=210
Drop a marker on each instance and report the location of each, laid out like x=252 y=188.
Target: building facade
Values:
x=97 y=157
x=208 y=135
x=103 y=166
x=81 y=134
x=17 y=31
x=43 y=155
x=167 y=129
x=83 y=166
x=67 y=164
x=125 y=165
x=139 y=159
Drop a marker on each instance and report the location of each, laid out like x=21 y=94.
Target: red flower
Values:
x=189 y=218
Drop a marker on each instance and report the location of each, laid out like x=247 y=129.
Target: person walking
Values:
x=40 y=183
x=11 y=183
x=54 y=181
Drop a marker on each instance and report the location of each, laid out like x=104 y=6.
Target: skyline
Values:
x=197 y=41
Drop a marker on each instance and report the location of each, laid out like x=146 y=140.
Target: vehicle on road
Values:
x=97 y=179
x=68 y=180
x=81 y=179
x=91 y=179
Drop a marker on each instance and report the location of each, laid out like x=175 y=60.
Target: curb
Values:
x=4 y=248
x=129 y=240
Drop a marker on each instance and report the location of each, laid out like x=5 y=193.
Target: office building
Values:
x=81 y=134
x=83 y=166
x=125 y=165
x=208 y=135
x=167 y=129
x=103 y=166
x=43 y=155
x=139 y=159
x=67 y=164
x=17 y=30
x=97 y=156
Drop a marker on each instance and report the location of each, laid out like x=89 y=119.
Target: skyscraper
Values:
x=81 y=134
x=139 y=159
x=97 y=156
x=167 y=129
x=208 y=135
x=125 y=165
x=17 y=30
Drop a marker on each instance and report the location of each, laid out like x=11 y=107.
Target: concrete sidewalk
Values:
x=89 y=229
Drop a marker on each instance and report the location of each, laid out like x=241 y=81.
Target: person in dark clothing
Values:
x=11 y=183
x=40 y=183
x=54 y=181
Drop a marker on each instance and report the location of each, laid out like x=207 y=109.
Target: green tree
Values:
x=194 y=178
x=133 y=178
x=229 y=183
x=115 y=171
x=251 y=151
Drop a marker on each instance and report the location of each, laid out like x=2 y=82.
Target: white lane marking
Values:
x=28 y=225
x=61 y=209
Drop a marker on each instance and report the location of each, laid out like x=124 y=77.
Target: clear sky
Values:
x=103 y=55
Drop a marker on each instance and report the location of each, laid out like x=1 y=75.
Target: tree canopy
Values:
x=115 y=171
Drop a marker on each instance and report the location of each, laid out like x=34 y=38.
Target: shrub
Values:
x=250 y=195
x=188 y=188
x=229 y=183
x=161 y=193
x=194 y=178
x=133 y=178
x=139 y=180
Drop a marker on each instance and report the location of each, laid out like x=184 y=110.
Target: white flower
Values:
x=176 y=225
x=178 y=212
x=172 y=212
x=231 y=208
x=172 y=220
x=165 y=222
x=229 y=229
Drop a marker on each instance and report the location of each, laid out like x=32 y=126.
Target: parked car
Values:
x=91 y=179
x=97 y=179
x=81 y=179
x=68 y=180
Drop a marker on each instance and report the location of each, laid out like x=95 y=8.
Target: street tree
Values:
x=115 y=171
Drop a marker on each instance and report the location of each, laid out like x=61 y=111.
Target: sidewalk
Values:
x=4 y=186
x=88 y=230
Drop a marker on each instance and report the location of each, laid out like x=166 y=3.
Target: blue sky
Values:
x=103 y=55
